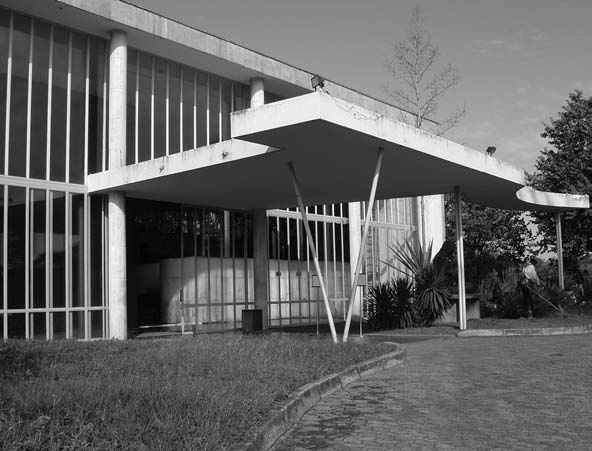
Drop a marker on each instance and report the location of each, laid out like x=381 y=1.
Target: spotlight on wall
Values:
x=490 y=151
x=318 y=82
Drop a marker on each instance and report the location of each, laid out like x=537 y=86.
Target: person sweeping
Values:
x=530 y=280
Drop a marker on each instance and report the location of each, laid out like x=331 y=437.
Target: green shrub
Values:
x=389 y=305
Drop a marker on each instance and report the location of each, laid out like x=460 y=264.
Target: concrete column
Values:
x=257 y=92
x=261 y=263
x=116 y=209
x=117 y=99
x=117 y=267
x=355 y=238
x=434 y=228
x=227 y=234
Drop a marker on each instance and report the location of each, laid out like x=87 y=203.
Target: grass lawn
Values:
x=201 y=393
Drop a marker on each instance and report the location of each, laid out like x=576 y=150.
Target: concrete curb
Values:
x=585 y=329
x=307 y=396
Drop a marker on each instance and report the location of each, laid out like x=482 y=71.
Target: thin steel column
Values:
x=362 y=253
x=559 y=249
x=460 y=258
x=313 y=251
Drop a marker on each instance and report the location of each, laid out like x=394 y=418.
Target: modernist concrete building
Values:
x=152 y=174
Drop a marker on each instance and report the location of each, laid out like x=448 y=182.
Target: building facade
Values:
x=87 y=88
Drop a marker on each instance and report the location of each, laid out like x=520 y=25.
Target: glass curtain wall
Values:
x=173 y=108
x=293 y=298
x=52 y=133
x=392 y=221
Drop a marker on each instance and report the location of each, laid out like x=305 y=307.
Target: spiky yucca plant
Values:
x=432 y=297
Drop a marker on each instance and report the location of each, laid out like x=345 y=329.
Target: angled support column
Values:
x=559 y=249
x=362 y=253
x=460 y=259
x=313 y=251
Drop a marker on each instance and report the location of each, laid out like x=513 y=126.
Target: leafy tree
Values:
x=492 y=238
x=502 y=234
x=421 y=85
x=566 y=167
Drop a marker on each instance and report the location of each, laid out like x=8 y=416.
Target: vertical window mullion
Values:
x=48 y=239
x=68 y=107
x=195 y=116
x=68 y=262
x=86 y=260
x=29 y=94
x=152 y=110
x=104 y=131
x=49 y=92
x=181 y=109
x=207 y=111
x=50 y=269
x=27 y=260
x=5 y=260
x=167 y=110
x=86 y=107
x=137 y=108
x=7 y=121
x=220 y=110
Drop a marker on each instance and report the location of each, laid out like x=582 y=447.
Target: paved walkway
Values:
x=507 y=393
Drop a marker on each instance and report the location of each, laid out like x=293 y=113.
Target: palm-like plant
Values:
x=432 y=297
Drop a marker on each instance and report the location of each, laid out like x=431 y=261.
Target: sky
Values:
x=518 y=59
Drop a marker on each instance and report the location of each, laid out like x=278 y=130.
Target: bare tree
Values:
x=421 y=86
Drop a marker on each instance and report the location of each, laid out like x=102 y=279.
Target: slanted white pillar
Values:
x=257 y=92
x=312 y=248
x=355 y=239
x=361 y=254
x=559 y=249
x=116 y=209
x=460 y=258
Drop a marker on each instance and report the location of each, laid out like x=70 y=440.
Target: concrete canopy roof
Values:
x=333 y=145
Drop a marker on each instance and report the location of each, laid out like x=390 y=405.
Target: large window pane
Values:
x=131 y=107
x=96 y=72
x=144 y=96
x=214 y=107
x=58 y=263
x=174 y=105
x=21 y=38
x=78 y=320
x=16 y=325
x=77 y=250
x=160 y=90
x=59 y=325
x=2 y=188
x=96 y=324
x=59 y=105
x=38 y=326
x=188 y=125
x=16 y=247
x=226 y=97
x=38 y=241
x=96 y=250
x=77 y=106
x=39 y=101
x=4 y=40
x=202 y=108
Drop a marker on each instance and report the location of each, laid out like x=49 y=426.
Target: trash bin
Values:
x=252 y=320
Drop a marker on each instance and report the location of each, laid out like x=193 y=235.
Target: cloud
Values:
x=486 y=46
x=515 y=42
